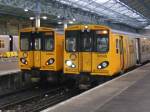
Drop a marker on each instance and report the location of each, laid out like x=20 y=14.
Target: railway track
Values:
x=36 y=99
x=15 y=91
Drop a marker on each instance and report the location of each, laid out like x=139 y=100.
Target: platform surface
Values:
x=127 y=93
x=8 y=68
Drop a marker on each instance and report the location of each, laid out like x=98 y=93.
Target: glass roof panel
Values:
x=113 y=9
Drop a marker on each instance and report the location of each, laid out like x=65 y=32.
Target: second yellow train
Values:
x=96 y=50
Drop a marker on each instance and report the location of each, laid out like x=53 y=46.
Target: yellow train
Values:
x=41 y=51
x=96 y=50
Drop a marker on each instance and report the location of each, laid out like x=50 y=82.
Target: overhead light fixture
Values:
x=147 y=27
x=31 y=18
x=44 y=17
x=74 y=19
x=58 y=16
x=70 y=22
x=26 y=10
x=59 y=22
x=92 y=11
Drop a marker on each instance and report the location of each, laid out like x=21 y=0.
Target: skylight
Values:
x=113 y=9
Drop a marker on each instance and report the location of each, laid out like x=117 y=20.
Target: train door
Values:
x=48 y=50
x=138 y=50
x=122 y=61
x=86 y=51
x=37 y=40
x=26 y=52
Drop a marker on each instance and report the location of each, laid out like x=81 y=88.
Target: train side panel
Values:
x=132 y=52
x=144 y=49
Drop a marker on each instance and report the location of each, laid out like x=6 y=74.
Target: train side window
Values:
x=117 y=46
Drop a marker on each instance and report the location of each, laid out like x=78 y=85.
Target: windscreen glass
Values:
x=71 y=40
x=37 y=44
x=49 y=41
x=86 y=41
x=102 y=41
x=24 y=41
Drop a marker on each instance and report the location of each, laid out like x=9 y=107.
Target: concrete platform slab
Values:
x=127 y=93
x=8 y=68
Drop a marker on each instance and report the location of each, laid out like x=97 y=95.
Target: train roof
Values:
x=130 y=34
x=34 y=28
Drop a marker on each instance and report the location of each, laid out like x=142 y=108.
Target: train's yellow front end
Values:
x=39 y=50
x=86 y=50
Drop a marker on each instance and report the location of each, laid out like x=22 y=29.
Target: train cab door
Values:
x=122 y=61
x=86 y=51
x=86 y=62
x=37 y=40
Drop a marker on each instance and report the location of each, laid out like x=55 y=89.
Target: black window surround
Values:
x=31 y=36
x=93 y=44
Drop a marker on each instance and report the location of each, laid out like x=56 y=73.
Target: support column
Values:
x=37 y=21
x=65 y=25
x=37 y=14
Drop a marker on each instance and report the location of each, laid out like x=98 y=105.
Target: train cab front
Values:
x=36 y=50
x=86 y=50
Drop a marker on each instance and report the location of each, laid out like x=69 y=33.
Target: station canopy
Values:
x=115 y=10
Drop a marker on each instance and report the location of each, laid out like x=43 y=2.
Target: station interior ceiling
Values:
x=128 y=15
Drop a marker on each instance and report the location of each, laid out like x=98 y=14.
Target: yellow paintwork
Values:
x=9 y=54
x=88 y=61
x=38 y=59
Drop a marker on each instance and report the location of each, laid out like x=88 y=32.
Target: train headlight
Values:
x=23 y=60
x=50 y=61
x=103 y=65
x=99 y=66
x=73 y=65
x=69 y=63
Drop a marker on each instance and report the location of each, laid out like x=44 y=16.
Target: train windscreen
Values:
x=24 y=41
x=37 y=41
x=101 y=41
x=71 y=40
x=48 y=41
x=87 y=41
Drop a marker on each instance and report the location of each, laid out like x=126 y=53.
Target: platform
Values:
x=8 y=68
x=127 y=93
